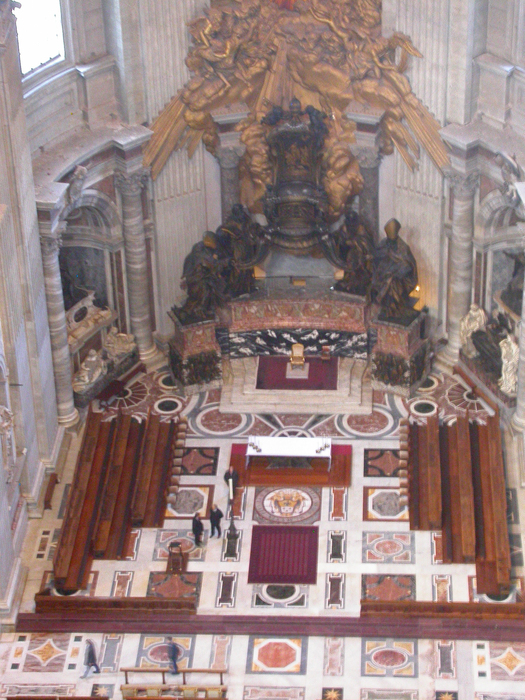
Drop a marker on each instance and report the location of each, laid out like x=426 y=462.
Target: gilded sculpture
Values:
x=328 y=54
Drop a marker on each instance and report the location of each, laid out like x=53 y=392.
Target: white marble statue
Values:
x=117 y=344
x=475 y=320
x=93 y=367
x=509 y=372
x=6 y=420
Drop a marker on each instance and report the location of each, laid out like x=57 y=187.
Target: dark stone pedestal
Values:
x=401 y=356
x=195 y=356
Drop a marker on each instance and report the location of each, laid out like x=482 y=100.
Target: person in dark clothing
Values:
x=173 y=655
x=231 y=475
x=90 y=658
x=215 y=520
x=197 y=528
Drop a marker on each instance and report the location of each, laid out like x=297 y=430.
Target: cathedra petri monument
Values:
x=299 y=253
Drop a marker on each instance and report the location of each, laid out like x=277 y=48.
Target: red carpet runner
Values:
x=283 y=554
x=322 y=374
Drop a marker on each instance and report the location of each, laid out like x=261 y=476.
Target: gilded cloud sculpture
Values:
x=326 y=53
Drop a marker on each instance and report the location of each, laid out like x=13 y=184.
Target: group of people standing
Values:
x=197 y=527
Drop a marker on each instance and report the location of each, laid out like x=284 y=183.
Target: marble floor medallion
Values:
x=191 y=499
x=275 y=595
x=383 y=504
x=287 y=505
x=277 y=655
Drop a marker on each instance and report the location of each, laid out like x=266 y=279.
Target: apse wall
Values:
x=179 y=192
x=23 y=320
x=78 y=92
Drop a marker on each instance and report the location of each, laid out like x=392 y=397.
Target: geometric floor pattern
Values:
x=366 y=549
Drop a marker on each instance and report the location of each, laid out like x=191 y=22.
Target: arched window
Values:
x=40 y=33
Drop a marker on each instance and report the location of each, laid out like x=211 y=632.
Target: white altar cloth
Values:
x=259 y=446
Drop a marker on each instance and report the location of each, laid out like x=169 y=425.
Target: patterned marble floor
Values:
x=365 y=550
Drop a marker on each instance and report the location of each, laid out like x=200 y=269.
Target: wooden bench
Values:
x=66 y=545
x=177 y=692
x=46 y=697
x=115 y=475
x=183 y=671
x=121 y=521
x=79 y=569
x=493 y=552
x=146 y=466
x=459 y=541
x=421 y=609
x=50 y=489
x=424 y=466
x=87 y=607
x=156 y=504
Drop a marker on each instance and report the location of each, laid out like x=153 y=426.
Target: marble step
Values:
x=240 y=395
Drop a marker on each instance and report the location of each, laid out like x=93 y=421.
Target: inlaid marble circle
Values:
x=388 y=547
x=424 y=407
x=286 y=505
x=389 y=658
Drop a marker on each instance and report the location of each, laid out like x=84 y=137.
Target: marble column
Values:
x=230 y=187
x=518 y=418
x=369 y=160
x=67 y=413
x=460 y=258
x=130 y=186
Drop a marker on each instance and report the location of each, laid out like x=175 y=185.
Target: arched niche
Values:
x=499 y=237
x=92 y=254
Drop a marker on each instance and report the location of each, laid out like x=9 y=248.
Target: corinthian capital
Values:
x=229 y=157
x=50 y=245
x=464 y=185
x=132 y=183
x=367 y=157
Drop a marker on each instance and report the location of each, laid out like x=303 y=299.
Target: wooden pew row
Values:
x=79 y=568
x=468 y=611
x=120 y=523
x=493 y=556
x=425 y=476
x=413 y=477
x=145 y=470
x=173 y=692
x=445 y=495
x=184 y=672
x=156 y=503
x=109 y=501
x=461 y=492
x=47 y=697
x=85 y=605
x=433 y=474
x=66 y=544
x=459 y=542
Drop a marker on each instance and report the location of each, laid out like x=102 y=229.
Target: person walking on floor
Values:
x=215 y=520
x=197 y=528
x=233 y=476
x=90 y=658
x=173 y=655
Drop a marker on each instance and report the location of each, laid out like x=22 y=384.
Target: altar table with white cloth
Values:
x=261 y=446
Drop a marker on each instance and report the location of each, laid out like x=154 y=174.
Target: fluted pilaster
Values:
x=67 y=413
x=369 y=162
x=130 y=187
x=460 y=257
x=230 y=187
